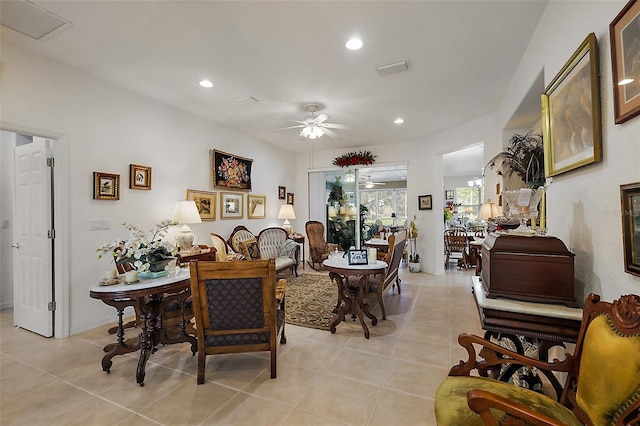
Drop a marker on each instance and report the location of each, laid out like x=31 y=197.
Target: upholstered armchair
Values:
x=602 y=385
x=238 y=307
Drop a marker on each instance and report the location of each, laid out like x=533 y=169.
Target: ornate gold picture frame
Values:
x=231 y=205
x=571 y=126
x=256 y=206
x=106 y=186
x=205 y=202
x=139 y=177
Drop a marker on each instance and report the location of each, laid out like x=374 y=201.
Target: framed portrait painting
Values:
x=630 y=202
x=231 y=205
x=424 y=202
x=624 y=32
x=139 y=177
x=282 y=192
x=106 y=186
x=571 y=125
x=230 y=171
x=290 y=198
x=256 y=206
x=205 y=202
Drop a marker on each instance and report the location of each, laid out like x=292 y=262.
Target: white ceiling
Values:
x=285 y=54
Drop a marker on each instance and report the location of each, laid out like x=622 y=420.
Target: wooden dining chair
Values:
x=456 y=245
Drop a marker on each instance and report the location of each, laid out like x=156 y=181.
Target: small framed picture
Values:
x=282 y=192
x=106 y=186
x=424 y=202
x=290 y=198
x=256 y=205
x=448 y=194
x=630 y=201
x=205 y=202
x=357 y=257
x=231 y=205
x=139 y=177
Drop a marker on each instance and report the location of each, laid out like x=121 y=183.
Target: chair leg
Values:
x=381 y=303
x=398 y=280
x=273 y=363
x=201 y=367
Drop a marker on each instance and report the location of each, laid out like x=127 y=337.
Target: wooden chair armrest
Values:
x=480 y=401
x=281 y=287
x=493 y=356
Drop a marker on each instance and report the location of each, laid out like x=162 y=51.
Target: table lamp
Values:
x=487 y=211
x=286 y=213
x=184 y=213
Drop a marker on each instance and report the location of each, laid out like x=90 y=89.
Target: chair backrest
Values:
x=315 y=237
x=397 y=242
x=603 y=386
x=455 y=240
x=270 y=242
x=221 y=247
x=240 y=235
x=234 y=305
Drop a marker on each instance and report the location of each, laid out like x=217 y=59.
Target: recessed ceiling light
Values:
x=399 y=120
x=206 y=83
x=354 y=44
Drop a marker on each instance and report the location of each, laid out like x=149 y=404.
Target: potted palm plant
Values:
x=523 y=157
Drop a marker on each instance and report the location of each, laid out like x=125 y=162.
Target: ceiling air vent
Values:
x=29 y=19
x=393 y=68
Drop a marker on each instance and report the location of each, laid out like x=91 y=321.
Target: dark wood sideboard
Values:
x=536 y=269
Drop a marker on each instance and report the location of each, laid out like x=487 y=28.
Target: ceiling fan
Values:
x=368 y=183
x=315 y=126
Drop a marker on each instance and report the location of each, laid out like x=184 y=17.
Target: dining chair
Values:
x=238 y=307
x=456 y=247
x=602 y=385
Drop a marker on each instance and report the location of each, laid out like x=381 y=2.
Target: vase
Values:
x=414 y=266
x=159 y=265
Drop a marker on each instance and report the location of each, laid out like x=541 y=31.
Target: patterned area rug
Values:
x=310 y=300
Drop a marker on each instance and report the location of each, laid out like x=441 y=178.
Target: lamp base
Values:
x=185 y=242
x=287 y=226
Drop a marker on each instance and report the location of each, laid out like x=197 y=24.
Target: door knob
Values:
x=16 y=245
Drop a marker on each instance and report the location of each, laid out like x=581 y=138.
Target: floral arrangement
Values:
x=354 y=158
x=233 y=172
x=412 y=236
x=140 y=250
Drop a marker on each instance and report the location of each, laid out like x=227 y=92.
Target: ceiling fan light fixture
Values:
x=312 y=131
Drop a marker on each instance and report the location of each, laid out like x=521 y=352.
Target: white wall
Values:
x=108 y=128
x=583 y=206
x=7 y=145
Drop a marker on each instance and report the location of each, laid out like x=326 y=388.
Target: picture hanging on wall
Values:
x=256 y=206
x=205 y=202
x=231 y=171
x=290 y=198
x=106 y=186
x=624 y=33
x=282 y=192
x=424 y=202
x=231 y=205
x=448 y=194
x=571 y=112
x=139 y=177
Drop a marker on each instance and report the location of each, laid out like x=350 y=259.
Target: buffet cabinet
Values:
x=536 y=268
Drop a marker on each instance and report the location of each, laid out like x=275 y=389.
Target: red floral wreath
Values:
x=354 y=158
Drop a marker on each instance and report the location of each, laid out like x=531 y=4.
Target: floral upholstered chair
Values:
x=602 y=386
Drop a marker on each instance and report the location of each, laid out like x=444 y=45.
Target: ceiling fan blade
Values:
x=329 y=133
x=335 y=126
x=321 y=118
x=299 y=126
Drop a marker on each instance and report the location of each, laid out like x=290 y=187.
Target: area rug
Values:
x=309 y=301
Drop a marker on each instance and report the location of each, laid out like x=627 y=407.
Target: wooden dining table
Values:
x=351 y=298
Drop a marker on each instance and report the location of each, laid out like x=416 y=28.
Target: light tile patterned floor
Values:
x=323 y=378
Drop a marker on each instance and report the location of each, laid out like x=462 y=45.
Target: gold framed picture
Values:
x=139 y=177
x=256 y=206
x=106 y=186
x=571 y=125
x=231 y=205
x=205 y=202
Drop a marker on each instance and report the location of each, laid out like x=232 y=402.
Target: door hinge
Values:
x=51 y=306
x=51 y=162
x=51 y=233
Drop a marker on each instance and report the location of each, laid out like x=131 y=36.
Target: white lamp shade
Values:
x=488 y=210
x=186 y=212
x=286 y=212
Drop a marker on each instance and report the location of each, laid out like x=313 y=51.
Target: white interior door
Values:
x=33 y=277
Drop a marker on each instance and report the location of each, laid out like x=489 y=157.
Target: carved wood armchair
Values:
x=602 y=386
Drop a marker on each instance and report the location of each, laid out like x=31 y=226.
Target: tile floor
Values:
x=323 y=378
